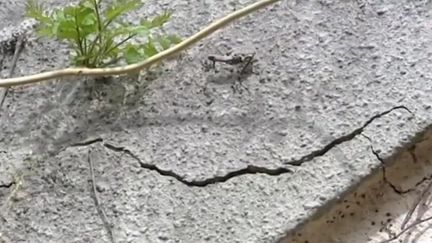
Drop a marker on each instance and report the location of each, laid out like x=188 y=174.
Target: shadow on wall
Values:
x=393 y=205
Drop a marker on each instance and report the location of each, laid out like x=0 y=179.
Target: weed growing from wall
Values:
x=98 y=35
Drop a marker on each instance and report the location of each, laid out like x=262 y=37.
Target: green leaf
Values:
x=88 y=3
x=86 y=21
x=121 y=7
x=132 y=55
x=85 y=16
x=138 y=30
x=149 y=48
x=162 y=19
x=167 y=41
x=164 y=42
x=35 y=10
x=79 y=60
x=58 y=15
x=157 y=21
x=69 y=11
x=98 y=36
x=175 y=39
x=45 y=31
x=67 y=30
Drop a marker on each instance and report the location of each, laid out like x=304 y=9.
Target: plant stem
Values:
x=120 y=43
x=78 y=38
x=96 y=6
x=114 y=60
x=99 y=33
x=94 y=72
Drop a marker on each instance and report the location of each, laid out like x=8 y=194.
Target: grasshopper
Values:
x=236 y=59
x=243 y=60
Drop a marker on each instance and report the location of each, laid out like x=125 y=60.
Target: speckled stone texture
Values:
x=180 y=157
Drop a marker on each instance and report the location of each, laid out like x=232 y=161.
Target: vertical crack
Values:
x=384 y=175
x=411 y=150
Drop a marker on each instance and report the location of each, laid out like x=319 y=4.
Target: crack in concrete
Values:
x=250 y=169
x=342 y=139
x=410 y=150
x=8 y=185
x=87 y=143
x=394 y=188
x=385 y=179
x=413 y=154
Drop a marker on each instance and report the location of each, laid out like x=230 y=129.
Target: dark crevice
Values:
x=87 y=143
x=384 y=175
x=342 y=139
x=411 y=151
x=250 y=169
x=426 y=178
x=8 y=185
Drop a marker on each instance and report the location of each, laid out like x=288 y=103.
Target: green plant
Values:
x=98 y=35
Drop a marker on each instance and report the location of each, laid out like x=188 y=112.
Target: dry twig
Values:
x=99 y=208
x=415 y=223
x=18 y=48
x=415 y=205
x=404 y=229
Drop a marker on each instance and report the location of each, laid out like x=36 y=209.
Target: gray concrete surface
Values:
x=376 y=210
x=183 y=158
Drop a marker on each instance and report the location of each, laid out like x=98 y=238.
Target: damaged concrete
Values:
x=250 y=169
x=392 y=205
x=180 y=159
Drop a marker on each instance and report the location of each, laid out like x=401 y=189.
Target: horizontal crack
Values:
x=342 y=139
x=8 y=185
x=87 y=143
x=250 y=169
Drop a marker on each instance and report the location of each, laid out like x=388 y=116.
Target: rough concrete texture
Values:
x=392 y=205
x=180 y=157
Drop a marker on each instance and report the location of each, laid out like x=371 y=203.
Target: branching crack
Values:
x=386 y=180
x=384 y=175
x=250 y=169
x=343 y=138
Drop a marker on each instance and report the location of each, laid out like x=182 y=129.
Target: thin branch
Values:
x=415 y=205
x=1 y=61
x=19 y=45
x=99 y=208
x=120 y=43
x=409 y=215
x=415 y=223
x=114 y=60
x=133 y=68
x=98 y=36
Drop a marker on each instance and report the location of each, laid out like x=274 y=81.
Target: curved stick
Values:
x=141 y=65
